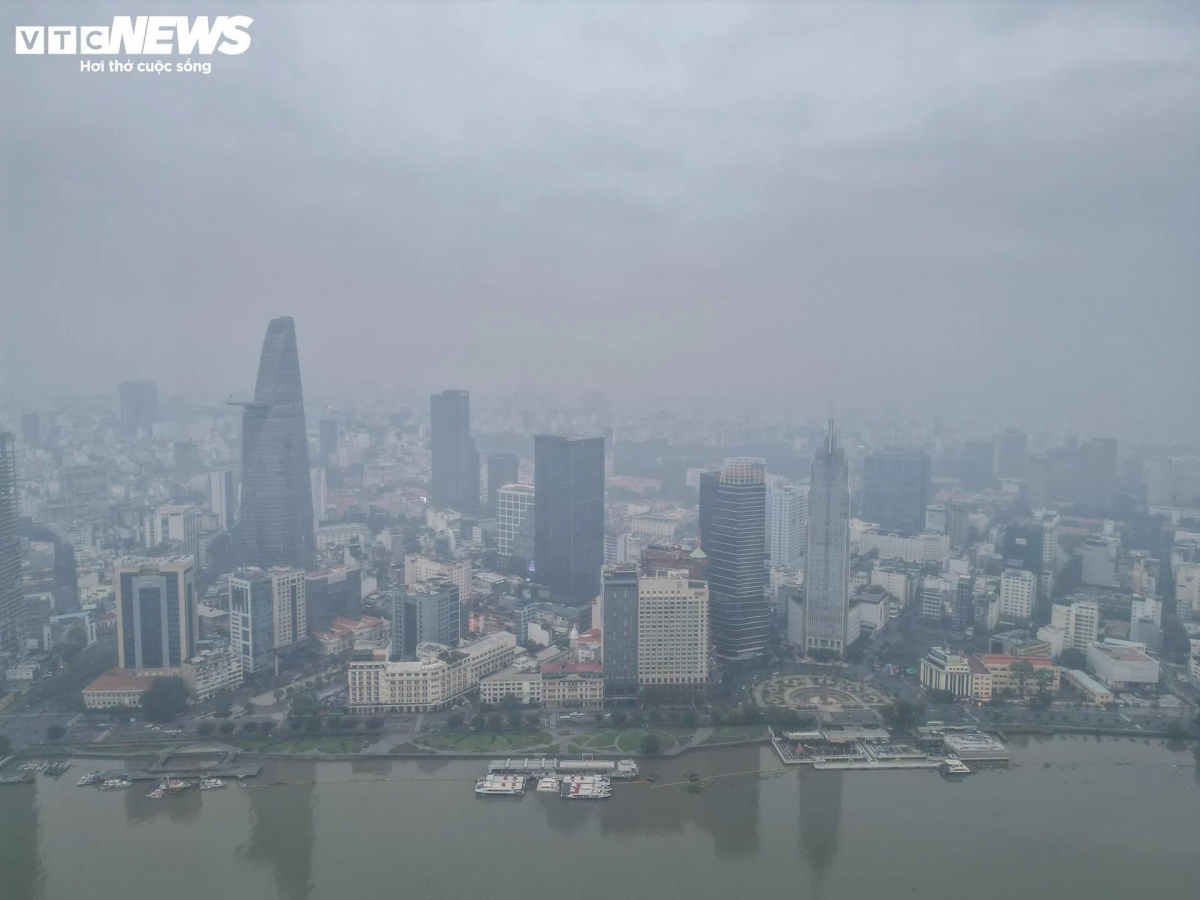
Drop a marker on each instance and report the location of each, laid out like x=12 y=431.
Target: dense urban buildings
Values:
x=827 y=561
x=569 y=520
x=455 y=461
x=12 y=600
x=896 y=489
x=156 y=613
x=276 y=517
x=735 y=543
x=222 y=497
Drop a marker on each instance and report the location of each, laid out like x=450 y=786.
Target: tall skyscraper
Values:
x=156 y=612
x=221 y=496
x=739 y=610
x=276 y=512
x=139 y=404
x=12 y=600
x=709 y=482
x=958 y=525
x=827 y=562
x=428 y=611
x=502 y=469
x=569 y=524
x=327 y=441
x=455 y=461
x=1012 y=454
x=620 y=606
x=785 y=525
x=896 y=489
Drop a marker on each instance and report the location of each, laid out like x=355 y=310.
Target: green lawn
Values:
x=477 y=742
x=735 y=734
x=629 y=740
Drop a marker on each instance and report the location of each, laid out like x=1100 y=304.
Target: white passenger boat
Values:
x=549 y=784
x=500 y=786
x=593 y=791
x=953 y=767
x=208 y=784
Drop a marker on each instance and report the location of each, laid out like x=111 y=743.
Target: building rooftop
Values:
x=128 y=679
x=1123 y=654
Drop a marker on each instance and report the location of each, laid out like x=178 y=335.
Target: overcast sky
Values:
x=921 y=207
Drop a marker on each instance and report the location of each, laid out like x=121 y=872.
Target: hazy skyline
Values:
x=917 y=207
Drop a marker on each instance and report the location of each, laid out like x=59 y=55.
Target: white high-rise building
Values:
x=1146 y=608
x=222 y=499
x=514 y=502
x=1080 y=621
x=316 y=478
x=1018 y=589
x=1100 y=556
x=674 y=640
x=1187 y=587
x=1050 y=521
x=288 y=593
x=786 y=513
x=172 y=524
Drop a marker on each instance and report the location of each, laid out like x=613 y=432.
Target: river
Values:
x=1072 y=817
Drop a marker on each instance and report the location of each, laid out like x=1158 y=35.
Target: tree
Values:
x=455 y=721
x=598 y=716
x=619 y=718
x=5 y=746
x=903 y=714
x=55 y=732
x=509 y=702
x=533 y=722
x=226 y=728
x=690 y=719
x=350 y=723
x=204 y=729
x=165 y=699
x=249 y=708
x=515 y=720
x=375 y=723
x=1074 y=659
x=267 y=727
x=277 y=694
x=249 y=727
x=650 y=745
x=223 y=704
x=313 y=725
x=295 y=724
x=1022 y=671
x=495 y=722
x=656 y=717
x=478 y=722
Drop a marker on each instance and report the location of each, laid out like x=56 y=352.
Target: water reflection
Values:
x=139 y=808
x=380 y=768
x=727 y=809
x=820 y=819
x=22 y=874
x=281 y=830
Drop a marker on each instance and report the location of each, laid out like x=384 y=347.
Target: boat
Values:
x=208 y=784
x=54 y=770
x=110 y=784
x=157 y=794
x=92 y=778
x=953 y=767
x=586 y=780
x=500 y=786
x=586 y=791
x=549 y=784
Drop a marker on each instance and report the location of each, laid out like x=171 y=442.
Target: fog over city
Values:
x=984 y=212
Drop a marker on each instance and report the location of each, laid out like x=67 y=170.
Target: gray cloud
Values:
x=929 y=208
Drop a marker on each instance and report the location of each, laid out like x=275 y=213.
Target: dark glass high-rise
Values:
x=455 y=461
x=569 y=526
x=734 y=537
x=276 y=518
x=896 y=489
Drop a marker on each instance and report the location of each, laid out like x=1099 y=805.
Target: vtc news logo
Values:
x=137 y=35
